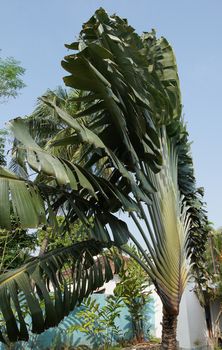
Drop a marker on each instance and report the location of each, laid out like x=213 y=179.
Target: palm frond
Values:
x=21 y=198
x=51 y=285
x=43 y=123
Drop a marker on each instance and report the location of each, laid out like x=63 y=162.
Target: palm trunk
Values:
x=169 y=331
x=44 y=245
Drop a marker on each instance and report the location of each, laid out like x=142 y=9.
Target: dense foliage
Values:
x=99 y=322
x=2 y=147
x=135 y=158
x=133 y=287
x=10 y=78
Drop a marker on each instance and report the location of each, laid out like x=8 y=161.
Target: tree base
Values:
x=169 y=331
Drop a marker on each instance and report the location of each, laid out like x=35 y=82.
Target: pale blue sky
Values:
x=34 y=32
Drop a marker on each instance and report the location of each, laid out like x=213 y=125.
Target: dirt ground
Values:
x=144 y=346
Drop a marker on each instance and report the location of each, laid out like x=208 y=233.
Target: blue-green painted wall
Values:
x=53 y=338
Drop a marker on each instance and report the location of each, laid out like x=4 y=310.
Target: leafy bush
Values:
x=99 y=322
x=132 y=287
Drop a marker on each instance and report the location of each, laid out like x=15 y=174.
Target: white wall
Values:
x=110 y=286
x=157 y=313
x=192 y=328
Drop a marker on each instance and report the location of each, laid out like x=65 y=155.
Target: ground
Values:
x=144 y=346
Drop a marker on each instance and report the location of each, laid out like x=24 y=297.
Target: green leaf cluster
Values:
x=213 y=265
x=133 y=287
x=16 y=247
x=10 y=78
x=99 y=322
x=3 y=134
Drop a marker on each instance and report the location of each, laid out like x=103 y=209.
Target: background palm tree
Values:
x=133 y=129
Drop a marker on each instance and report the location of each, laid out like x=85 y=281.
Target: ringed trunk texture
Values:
x=169 y=331
x=44 y=245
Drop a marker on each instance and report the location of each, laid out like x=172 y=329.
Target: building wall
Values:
x=55 y=337
x=157 y=310
x=192 y=329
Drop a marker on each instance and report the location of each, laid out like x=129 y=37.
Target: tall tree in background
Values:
x=132 y=128
x=10 y=78
x=10 y=84
x=209 y=284
x=16 y=247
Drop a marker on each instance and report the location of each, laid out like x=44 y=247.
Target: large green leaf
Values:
x=168 y=224
x=41 y=161
x=116 y=67
x=23 y=197
x=51 y=285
